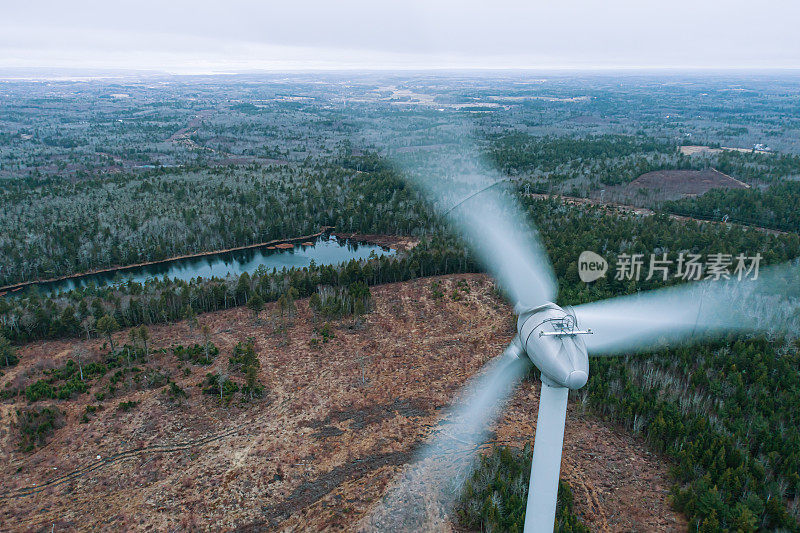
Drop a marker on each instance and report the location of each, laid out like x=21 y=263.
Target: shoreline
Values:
x=7 y=289
x=397 y=242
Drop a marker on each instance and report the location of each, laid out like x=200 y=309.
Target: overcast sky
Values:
x=235 y=35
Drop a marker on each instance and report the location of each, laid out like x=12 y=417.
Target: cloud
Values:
x=185 y=36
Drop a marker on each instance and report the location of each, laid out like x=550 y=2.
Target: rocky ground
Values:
x=340 y=420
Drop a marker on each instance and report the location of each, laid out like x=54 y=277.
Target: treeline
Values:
x=58 y=228
x=157 y=301
x=578 y=164
x=777 y=207
x=727 y=414
x=582 y=161
x=52 y=228
x=519 y=152
x=756 y=167
x=567 y=231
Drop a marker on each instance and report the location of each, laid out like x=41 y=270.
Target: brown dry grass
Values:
x=319 y=451
x=685 y=182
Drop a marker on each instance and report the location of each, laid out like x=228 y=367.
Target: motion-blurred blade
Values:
x=424 y=493
x=693 y=311
x=476 y=201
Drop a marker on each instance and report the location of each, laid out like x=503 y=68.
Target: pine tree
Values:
x=108 y=325
x=190 y=316
x=144 y=335
x=256 y=305
x=7 y=352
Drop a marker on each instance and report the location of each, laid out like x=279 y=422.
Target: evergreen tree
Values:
x=107 y=325
x=256 y=305
x=8 y=355
x=144 y=335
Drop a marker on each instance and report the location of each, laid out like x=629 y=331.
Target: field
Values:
x=694 y=150
x=338 y=421
x=680 y=183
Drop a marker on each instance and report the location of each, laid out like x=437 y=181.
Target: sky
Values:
x=199 y=36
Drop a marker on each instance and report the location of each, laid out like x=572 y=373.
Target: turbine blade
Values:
x=693 y=311
x=540 y=513
x=476 y=201
x=424 y=493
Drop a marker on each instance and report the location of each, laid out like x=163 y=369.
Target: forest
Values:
x=126 y=220
x=162 y=174
x=776 y=207
x=717 y=410
x=129 y=218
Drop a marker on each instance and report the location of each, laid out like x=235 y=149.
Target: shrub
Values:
x=244 y=355
x=117 y=377
x=39 y=391
x=198 y=354
x=175 y=392
x=245 y=359
x=36 y=425
x=90 y=410
x=436 y=290
x=211 y=386
x=127 y=406
x=9 y=392
x=64 y=382
x=8 y=355
x=73 y=386
x=155 y=379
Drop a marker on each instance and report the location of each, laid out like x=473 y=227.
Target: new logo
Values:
x=591 y=266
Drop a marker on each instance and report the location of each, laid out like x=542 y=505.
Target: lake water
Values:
x=325 y=250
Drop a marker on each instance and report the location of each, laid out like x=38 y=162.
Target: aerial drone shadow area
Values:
x=342 y=415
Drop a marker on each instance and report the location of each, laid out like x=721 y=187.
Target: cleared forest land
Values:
x=686 y=182
x=344 y=409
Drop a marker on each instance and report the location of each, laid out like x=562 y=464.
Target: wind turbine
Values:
x=549 y=336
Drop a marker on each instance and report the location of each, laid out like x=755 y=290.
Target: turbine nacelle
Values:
x=550 y=337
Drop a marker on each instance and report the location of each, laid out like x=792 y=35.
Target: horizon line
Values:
x=6 y=72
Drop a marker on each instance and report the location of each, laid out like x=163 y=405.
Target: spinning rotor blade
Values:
x=692 y=311
x=427 y=489
x=473 y=198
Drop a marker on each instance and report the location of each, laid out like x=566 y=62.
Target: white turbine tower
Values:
x=549 y=336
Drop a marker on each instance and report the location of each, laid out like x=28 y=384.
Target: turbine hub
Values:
x=550 y=337
x=577 y=379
